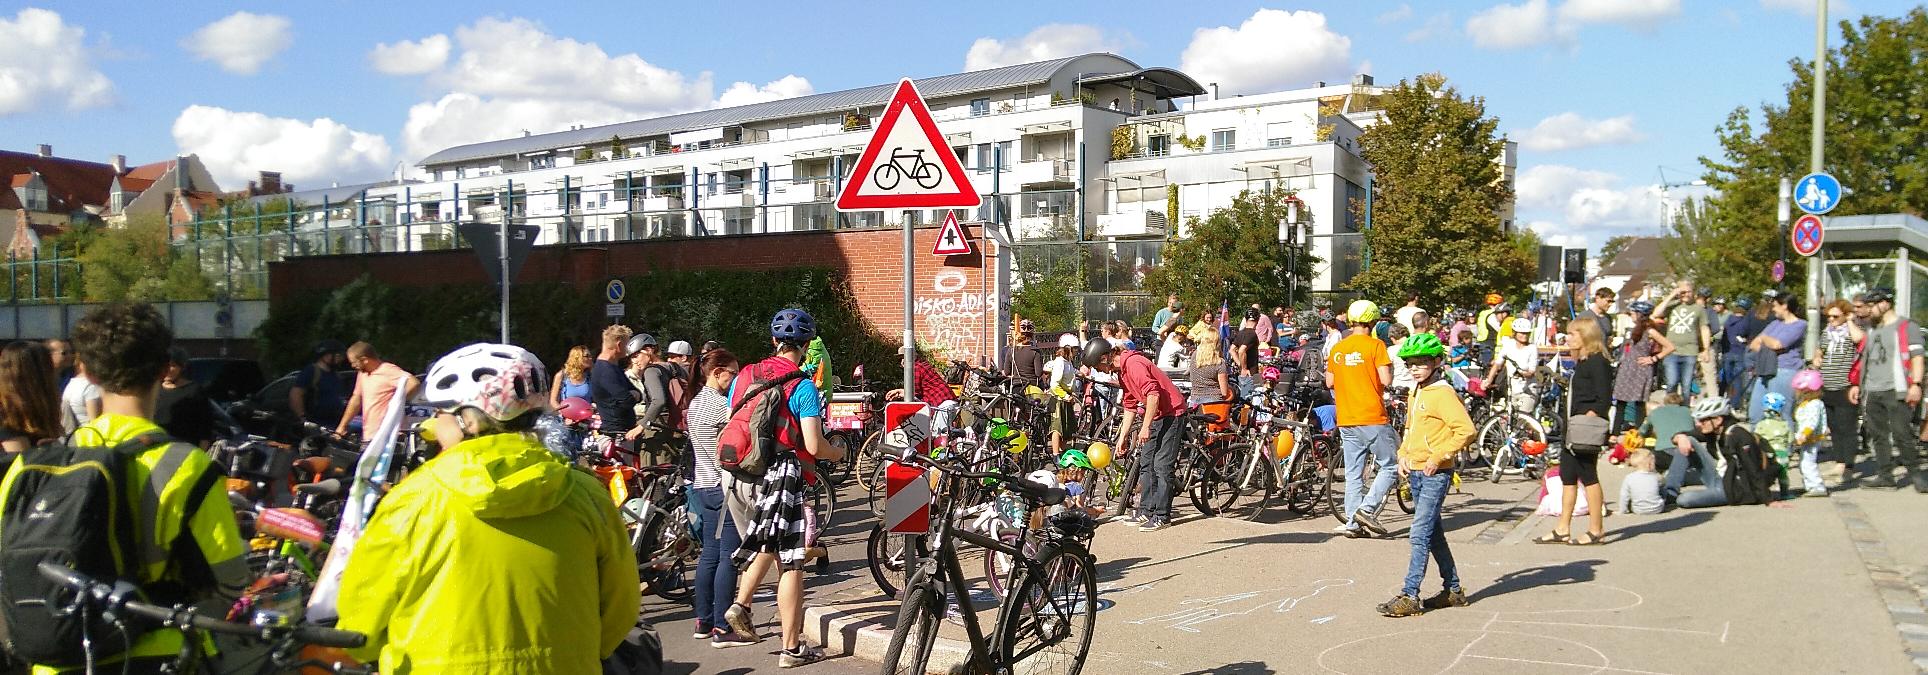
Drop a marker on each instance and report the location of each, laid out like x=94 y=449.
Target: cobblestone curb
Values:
x=1902 y=595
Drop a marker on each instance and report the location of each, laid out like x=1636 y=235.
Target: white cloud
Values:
x=1528 y=24
x=1046 y=42
x=1587 y=203
x=500 y=78
x=1643 y=14
x=1398 y=14
x=1273 y=49
x=236 y=145
x=411 y=57
x=45 y=62
x=744 y=93
x=241 y=42
x=1568 y=131
x=1435 y=26
x=1537 y=22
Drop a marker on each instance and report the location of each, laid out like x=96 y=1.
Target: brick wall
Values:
x=950 y=291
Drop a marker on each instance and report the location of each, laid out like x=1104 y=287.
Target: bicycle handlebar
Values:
x=1047 y=496
x=114 y=598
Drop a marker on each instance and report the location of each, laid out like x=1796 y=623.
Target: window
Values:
x=1004 y=149
x=573 y=201
x=35 y=199
x=1159 y=145
x=963 y=155
x=1224 y=140
x=984 y=157
x=1278 y=135
x=980 y=107
x=431 y=211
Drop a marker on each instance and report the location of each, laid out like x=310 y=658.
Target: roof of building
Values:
x=71 y=183
x=848 y=99
x=150 y=172
x=1165 y=82
x=333 y=195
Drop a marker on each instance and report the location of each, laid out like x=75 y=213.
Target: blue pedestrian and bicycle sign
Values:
x=1806 y=235
x=1817 y=193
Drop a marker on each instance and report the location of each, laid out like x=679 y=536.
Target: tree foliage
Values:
x=1047 y=276
x=1234 y=254
x=1437 y=197
x=135 y=262
x=1877 y=88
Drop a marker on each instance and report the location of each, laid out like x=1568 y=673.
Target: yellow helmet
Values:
x=1282 y=444
x=1018 y=443
x=1099 y=454
x=1362 y=311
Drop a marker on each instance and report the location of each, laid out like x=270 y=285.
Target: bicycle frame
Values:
x=943 y=562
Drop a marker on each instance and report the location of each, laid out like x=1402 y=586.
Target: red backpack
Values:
x=761 y=423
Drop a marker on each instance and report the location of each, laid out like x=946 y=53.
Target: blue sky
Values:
x=1600 y=92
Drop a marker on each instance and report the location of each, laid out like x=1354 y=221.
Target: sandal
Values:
x=1589 y=539
x=1554 y=538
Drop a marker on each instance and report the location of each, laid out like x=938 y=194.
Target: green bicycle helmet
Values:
x=1074 y=459
x=1423 y=344
x=1000 y=429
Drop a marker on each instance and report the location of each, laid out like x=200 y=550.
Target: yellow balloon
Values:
x=1099 y=454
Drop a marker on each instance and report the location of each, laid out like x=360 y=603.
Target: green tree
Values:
x=1047 y=278
x=1232 y=255
x=1437 y=197
x=127 y=263
x=1875 y=131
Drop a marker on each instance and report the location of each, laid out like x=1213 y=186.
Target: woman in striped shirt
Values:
x=1840 y=346
x=715 y=576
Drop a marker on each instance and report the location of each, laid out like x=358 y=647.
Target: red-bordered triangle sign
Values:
x=952 y=240
x=907 y=164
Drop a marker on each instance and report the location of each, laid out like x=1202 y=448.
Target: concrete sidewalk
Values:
x=1738 y=589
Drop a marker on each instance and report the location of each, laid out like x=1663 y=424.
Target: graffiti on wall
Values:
x=952 y=317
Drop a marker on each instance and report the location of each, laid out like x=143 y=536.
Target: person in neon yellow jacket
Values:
x=493 y=557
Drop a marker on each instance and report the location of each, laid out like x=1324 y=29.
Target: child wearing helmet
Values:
x=1516 y=361
x=1437 y=428
x=493 y=521
x=1775 y=432
x=1810 y=429
x=1060 y=379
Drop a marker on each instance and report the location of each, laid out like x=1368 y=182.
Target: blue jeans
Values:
x=1702 y=462
x=1783 y=384
x=715 y=576
x=1358 y=443
x=1157 y=462
x=1730 y=371
x=1429 y=539
x=1677 y=372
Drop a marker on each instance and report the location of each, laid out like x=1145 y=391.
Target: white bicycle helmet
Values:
x=1042 y=477
x=1711 y=407
x=504 y=382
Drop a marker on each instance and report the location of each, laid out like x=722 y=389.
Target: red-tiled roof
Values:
x=71 y=183
x=129 y=182
x=22 y=180
x=150 y=172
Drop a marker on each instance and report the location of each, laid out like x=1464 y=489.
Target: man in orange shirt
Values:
x=1358 y=371
x=375 y=387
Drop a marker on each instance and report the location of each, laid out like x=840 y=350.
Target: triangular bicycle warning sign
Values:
x=952 y=240
x=906 y=166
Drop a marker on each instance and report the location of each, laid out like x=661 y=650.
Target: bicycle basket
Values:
x=1073 y=524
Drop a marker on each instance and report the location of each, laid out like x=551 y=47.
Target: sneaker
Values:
x=738 y=616
x=1881 y=479
x=1358 y=533
x=703 y=631
x=1816 y=492
x=1153 y=525
x=1343 y=528
x=815 y=552
x=1446 y=598
x=1920 y=481
x=723 y=640
x=1131 y=519
x=1404 y=605
x=1365 y=519
x=803 y=656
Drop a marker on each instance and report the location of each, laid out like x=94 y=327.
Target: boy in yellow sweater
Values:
x=1437 y=427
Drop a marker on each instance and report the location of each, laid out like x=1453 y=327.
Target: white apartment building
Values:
x=1037 y=138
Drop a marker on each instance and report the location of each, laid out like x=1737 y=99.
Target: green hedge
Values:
x=413 y=325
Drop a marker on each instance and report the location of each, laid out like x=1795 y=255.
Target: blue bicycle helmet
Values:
x=1641 y=307
x=793 y=326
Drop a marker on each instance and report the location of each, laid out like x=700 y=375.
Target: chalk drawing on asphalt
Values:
x=1199 y=611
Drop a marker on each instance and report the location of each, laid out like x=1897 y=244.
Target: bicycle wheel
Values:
x=911 y=638
x=927 y=175
x=869 y=456
x=879 y=488
x=887 y=176
x=823 y=503
x=1045 y=624
x=1215 y=486
x=885 y=555
x=836 y=472
x=1403 y=493
x=1258 y=483
x=1335 y=482
x=671 y=578
x=998 y=565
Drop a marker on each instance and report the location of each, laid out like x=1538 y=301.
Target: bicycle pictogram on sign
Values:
x=926 y=174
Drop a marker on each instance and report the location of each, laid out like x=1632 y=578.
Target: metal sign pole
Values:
x=1815 y=165
x=910 y=308
x=502 y=255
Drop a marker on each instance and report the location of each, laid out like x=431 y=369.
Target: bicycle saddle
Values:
x=326 y=488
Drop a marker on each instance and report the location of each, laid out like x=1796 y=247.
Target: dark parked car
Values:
x=227 y=380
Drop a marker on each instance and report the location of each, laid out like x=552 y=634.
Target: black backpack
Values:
x=68 y=505
x=1748 y=479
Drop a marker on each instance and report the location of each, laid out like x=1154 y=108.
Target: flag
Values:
x=371 y=478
